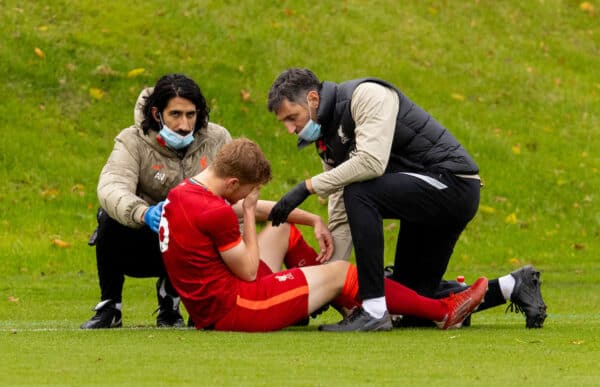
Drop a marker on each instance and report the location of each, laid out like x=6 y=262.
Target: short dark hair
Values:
x=292 y=84
x=168 y=87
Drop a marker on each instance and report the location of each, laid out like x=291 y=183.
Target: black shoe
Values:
x=168 y=308
x=527 y=298
x=107 y=316
x=169 y=319
x=303 y=322
x=191 y=323
x=360 y=321
x=388 y=271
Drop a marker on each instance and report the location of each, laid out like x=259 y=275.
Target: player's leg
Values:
x=286 y=244
x=273 y=245
x=326 y=282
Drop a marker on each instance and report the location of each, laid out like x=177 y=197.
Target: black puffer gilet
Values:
x=420 y=142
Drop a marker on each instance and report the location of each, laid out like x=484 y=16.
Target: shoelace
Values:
x=353 y=316
x=514 y=308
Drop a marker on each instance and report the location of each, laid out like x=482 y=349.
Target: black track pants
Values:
x=122 y=251
x=433 y=210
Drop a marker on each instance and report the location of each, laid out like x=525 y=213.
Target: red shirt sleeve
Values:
x=221 y=223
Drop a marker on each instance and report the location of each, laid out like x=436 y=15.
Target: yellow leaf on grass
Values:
x=38 y=51
x=458 y=97
x=96 y=93
x=588 y=7
x=60 y=243
x=511 y=219
x=487 y=209
x=516 y=149
x=136 y=72
x=50 y=193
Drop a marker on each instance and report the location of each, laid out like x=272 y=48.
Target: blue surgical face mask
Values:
x=174 y=140
x=311 y=131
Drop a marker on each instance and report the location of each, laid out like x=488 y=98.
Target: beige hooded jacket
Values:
x=140 y=171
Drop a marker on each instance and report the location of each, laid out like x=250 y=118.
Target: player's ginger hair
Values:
x=243 y=159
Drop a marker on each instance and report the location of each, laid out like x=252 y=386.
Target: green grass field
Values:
x=513 y=80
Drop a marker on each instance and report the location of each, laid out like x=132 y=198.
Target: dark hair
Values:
x=292 y=84
x=242 y=158
x=168 y=87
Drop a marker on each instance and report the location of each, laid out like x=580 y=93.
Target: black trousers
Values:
x=122 y=251
x=432 y=216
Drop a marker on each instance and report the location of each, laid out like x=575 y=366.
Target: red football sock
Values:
x=405 y=301
x=299 y=252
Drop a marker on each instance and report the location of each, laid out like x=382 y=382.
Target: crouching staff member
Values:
x=171 y=140
x=386 y=158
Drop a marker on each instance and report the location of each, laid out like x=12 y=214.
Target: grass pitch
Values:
x=516 y=82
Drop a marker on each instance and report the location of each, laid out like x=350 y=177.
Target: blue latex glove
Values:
x=152 y=216
x=287 y=203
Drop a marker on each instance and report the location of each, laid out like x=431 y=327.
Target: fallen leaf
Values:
x=60 y=243
x=245 y=95
x=96 y=93
x=104 y=69
x=12 y=299
x=78 y=189
x=514 y=261
x=136 y=72
x=586 y=6
x=50 y=193
x=516 y=149
x=38 y=51
x=458 y=97
x=487 y=209
x=511 y=219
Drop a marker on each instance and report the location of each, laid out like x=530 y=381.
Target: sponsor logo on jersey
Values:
x=284 y=277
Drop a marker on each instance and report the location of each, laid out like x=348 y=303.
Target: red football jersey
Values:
x=195 y=225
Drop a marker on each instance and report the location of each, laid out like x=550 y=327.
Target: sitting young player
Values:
x=228 y=281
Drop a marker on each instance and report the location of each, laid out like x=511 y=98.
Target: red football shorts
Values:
x=272 y=302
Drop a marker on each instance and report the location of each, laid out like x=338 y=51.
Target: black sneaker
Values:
x=169 y=319
x=107 y=316
x=190 y=323
x=168 y=308
x=388 y=271
x=360 y=321
x=527 y=298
